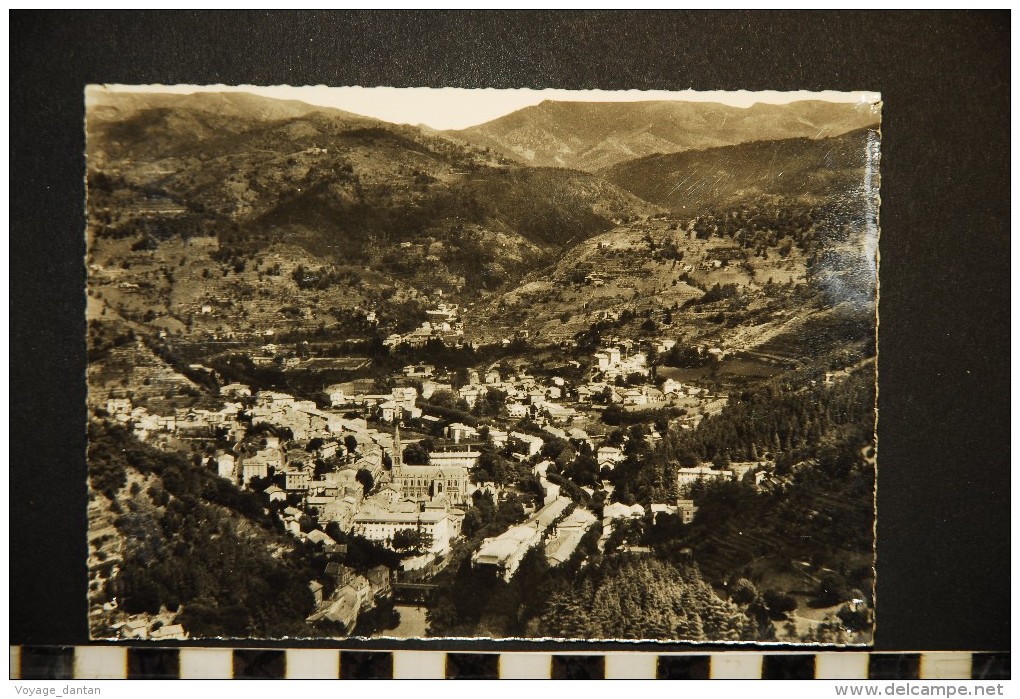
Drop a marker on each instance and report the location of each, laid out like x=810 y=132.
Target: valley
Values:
x=559 y=345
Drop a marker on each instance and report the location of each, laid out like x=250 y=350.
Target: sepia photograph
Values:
x=408 y=363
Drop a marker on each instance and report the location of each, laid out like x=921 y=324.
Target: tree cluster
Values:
x=646 y=598
x=184 y=546
x=323 y=278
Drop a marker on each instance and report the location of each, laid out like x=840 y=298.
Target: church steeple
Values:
x=398 y=452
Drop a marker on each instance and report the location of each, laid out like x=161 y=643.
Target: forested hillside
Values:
x=194 y=545
x=807 y=169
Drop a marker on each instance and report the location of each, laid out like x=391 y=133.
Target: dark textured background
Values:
x=943 y=495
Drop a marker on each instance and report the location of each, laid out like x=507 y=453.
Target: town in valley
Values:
x=586 y=371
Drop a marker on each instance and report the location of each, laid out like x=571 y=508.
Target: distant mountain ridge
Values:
x=104 y=104
x=591 y=136
x=800 y=168
x=415 y=205
x=153 y=125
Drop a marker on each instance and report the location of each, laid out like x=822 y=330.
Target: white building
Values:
x=380 y=522
x=337 y=395
x=498 y=437
x=258 y=465
x=226 y=466
x=419 y=370
x=459 y=431
x=470 y=394
x=672 y=386
x=275 y=493
x=686 y=477
x=454 y=458
x=118 y=406
x=618 y=510
x=567 y=535
x=296 y=480
x=609 y=453
x=529 y=443
x=504 y=553
x=517 y=410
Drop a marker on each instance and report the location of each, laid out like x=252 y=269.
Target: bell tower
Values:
x=398 y=452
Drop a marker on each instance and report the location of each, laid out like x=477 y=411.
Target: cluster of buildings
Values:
x=443 y=324
x=612 y=362
x=322 y=466
x=560 y=403
x=398 y=404
x=503 y=554
x=428 y=499
x=352 y=594
x=384 y=515
x=193 y=422
x=566 y=535
x=314 y=471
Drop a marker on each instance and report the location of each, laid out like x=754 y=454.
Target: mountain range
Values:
x=591 y=136
x=810 y=170
x=398 y=210
x=344 y=187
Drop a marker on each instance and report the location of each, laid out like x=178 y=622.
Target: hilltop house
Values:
x=643 y=396
x=671 y=386
x=337 y=395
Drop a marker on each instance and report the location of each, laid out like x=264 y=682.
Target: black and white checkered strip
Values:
x=119 y=662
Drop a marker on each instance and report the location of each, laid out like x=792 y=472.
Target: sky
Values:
x=459 y=108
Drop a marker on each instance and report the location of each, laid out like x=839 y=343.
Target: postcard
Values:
x=494 y=364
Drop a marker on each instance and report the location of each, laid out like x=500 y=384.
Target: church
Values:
x=425 y=482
